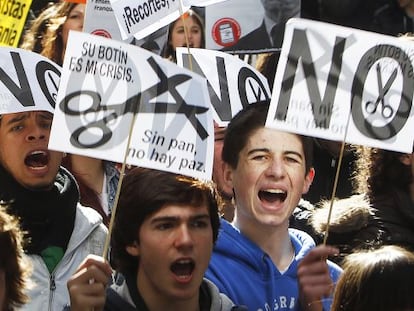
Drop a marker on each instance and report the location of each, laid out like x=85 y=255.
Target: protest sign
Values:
x=143 y=17
x=28 y=81
x=328 y=75
x=100 y=20
x=248 y=26
x=226 y=75
x=201 y=2
x=12 y=19
x=106 y=85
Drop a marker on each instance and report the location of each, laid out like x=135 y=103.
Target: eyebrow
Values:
x=268 y=150
x=175 y=218
x=16 y=119
x=46 y=116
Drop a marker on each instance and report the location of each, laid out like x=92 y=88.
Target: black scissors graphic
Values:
x=139 y=103
x=370 y=106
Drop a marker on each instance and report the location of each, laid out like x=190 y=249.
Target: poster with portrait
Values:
x=248 y=26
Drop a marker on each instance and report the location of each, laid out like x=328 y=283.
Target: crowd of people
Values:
x=250 y=239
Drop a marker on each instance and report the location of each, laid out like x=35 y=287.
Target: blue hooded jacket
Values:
x=248 y=276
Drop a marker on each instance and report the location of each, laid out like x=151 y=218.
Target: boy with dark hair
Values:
x=258 y=261
x=162 y=240
x=45 y=198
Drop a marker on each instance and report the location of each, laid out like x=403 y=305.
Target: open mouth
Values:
x=37 y=159
x=272 y=195
x=183 y=269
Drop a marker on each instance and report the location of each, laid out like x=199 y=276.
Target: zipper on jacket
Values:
x=52 y=288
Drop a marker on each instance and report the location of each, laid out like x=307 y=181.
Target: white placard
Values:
x=105 y=83
x=325 y=69
x=233 y=84
x=140 y=18
x=28 y=81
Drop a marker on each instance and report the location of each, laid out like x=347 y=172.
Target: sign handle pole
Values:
x=338 y=169
x=118 y=189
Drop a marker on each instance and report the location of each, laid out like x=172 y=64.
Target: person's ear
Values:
x=406 y=159
x=228 y=175
x=308 y=180
x=133 y=249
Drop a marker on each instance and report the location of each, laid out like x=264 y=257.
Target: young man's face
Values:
x=174 y=249
x=24 y=138
x=270 y=178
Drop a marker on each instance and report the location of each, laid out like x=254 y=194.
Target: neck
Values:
x=91 y=170
x=273 y=240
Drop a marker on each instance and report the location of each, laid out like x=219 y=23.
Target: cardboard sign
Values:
x=202 y=2
x=140 y=18
x=13 y=16
x=226 y=75
x=108 y=86
x=100 y=20
x=341 y=83
x=28 y=81
x=248 y=26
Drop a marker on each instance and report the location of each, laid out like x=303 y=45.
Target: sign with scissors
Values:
x=386 y=110
x=329 y=83
x=108 y=86
x=28 y=81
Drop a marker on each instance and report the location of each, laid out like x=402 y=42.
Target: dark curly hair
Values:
x=12 y=261
x=378 y=170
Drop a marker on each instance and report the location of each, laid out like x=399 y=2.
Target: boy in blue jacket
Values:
x=258 y=261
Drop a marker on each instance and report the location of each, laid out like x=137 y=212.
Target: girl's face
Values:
x=74 y=21
x=194 y=33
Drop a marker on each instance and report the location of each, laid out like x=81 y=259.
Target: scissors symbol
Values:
x=371 y=107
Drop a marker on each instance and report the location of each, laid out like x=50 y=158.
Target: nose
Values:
x=35 y=132
x=276 y=169
x=184 y=237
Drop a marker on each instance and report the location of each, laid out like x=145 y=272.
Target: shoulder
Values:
x=89 y=225
x=219 y=301
x=115 y=302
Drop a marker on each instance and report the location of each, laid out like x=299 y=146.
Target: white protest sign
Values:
x=28 y=81
x=100 y=20
x=327 y=73
x=232 y=83
x=105 y=83
x=202 y=2
x=140 y=18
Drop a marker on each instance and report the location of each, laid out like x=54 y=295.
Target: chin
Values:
x=40 y=185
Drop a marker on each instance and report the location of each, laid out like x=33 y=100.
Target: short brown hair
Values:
x=144 y=192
